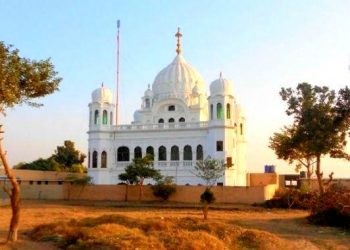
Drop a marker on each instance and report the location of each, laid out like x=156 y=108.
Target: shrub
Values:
x=164 y=188
x=332 y=208
x=207 y=196
x=291 y=198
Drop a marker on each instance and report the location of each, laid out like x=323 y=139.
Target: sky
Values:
x=261 y=46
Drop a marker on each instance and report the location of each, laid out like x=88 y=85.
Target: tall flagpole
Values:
x=117 y=97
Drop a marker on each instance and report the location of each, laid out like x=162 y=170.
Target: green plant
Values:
x=332 y=208
x=78 y=181
x=207 y=198
x=291 y=198
x=139 y=170
x=164 y=188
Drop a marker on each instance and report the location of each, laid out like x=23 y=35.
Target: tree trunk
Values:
x=319 y=174
x=141 y=190
x=14 y=197
x=205 y=210
x=308 y=173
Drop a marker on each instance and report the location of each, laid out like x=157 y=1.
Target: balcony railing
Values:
x=161 y=126
x=162 y=164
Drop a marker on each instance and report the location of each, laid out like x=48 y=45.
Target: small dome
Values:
x=148 y=92
x=137 y=116
x=102 y=95
x=221 y=86
x=177 y=79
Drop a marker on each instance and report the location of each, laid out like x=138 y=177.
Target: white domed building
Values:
x=177 y=123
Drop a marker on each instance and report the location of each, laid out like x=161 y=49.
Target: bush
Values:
x=291 y=198
x=164 y=188
x=332 y=208
x=207 y=196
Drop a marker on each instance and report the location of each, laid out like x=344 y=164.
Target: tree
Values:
x=66 y=159
x=285 y=147
x=128 y=177
x=207 y=198
x=321 y=122
x=139 y=170
x=209 y=170
x=67 y=155
x=21 y=81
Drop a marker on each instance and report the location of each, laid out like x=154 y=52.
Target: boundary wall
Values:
x=188 y=194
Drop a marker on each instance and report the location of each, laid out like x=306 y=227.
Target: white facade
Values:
x=177 y=121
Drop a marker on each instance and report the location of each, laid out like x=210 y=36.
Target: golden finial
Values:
x=178 y=35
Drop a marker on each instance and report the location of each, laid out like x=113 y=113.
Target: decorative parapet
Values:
x=161 y=126
x=162 y=164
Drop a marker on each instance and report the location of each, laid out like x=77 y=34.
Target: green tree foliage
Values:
x=207 y=196
x=21 y=81
x=139 y=170
x=67 y=155
x=40 y=164
x=285 y=147
x=164 y=188
x=209 y=170
x=65 y=159
x=321 y=123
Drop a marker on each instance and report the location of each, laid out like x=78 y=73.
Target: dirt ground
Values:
x=287 y=224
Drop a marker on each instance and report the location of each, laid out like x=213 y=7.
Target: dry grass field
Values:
x=111 y=226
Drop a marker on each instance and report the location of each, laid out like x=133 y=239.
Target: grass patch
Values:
x=122 y=232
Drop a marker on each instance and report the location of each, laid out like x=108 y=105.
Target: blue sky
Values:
x=260 y=45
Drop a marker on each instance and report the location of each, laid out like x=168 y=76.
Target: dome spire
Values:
x=178 y=45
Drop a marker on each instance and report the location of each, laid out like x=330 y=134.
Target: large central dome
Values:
x=177 y=80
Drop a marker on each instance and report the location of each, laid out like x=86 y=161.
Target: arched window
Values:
x=104 y=117
x=211 y=111
x=150 y=152
x=96 y=117
x=241 y=128
x=199 y=153
x=162 y=153
x=94 y=159
x=174 y=156
x=123 y=154
x=111 y=118
x=89 y=159
x=104 y=159
x=219 y=111
x=90 y=118
x=148 y=103
x=160 y=120
x=137 y=153
x=182 y=119
x=228 y=111
x=171 y=120
x=187 y=153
